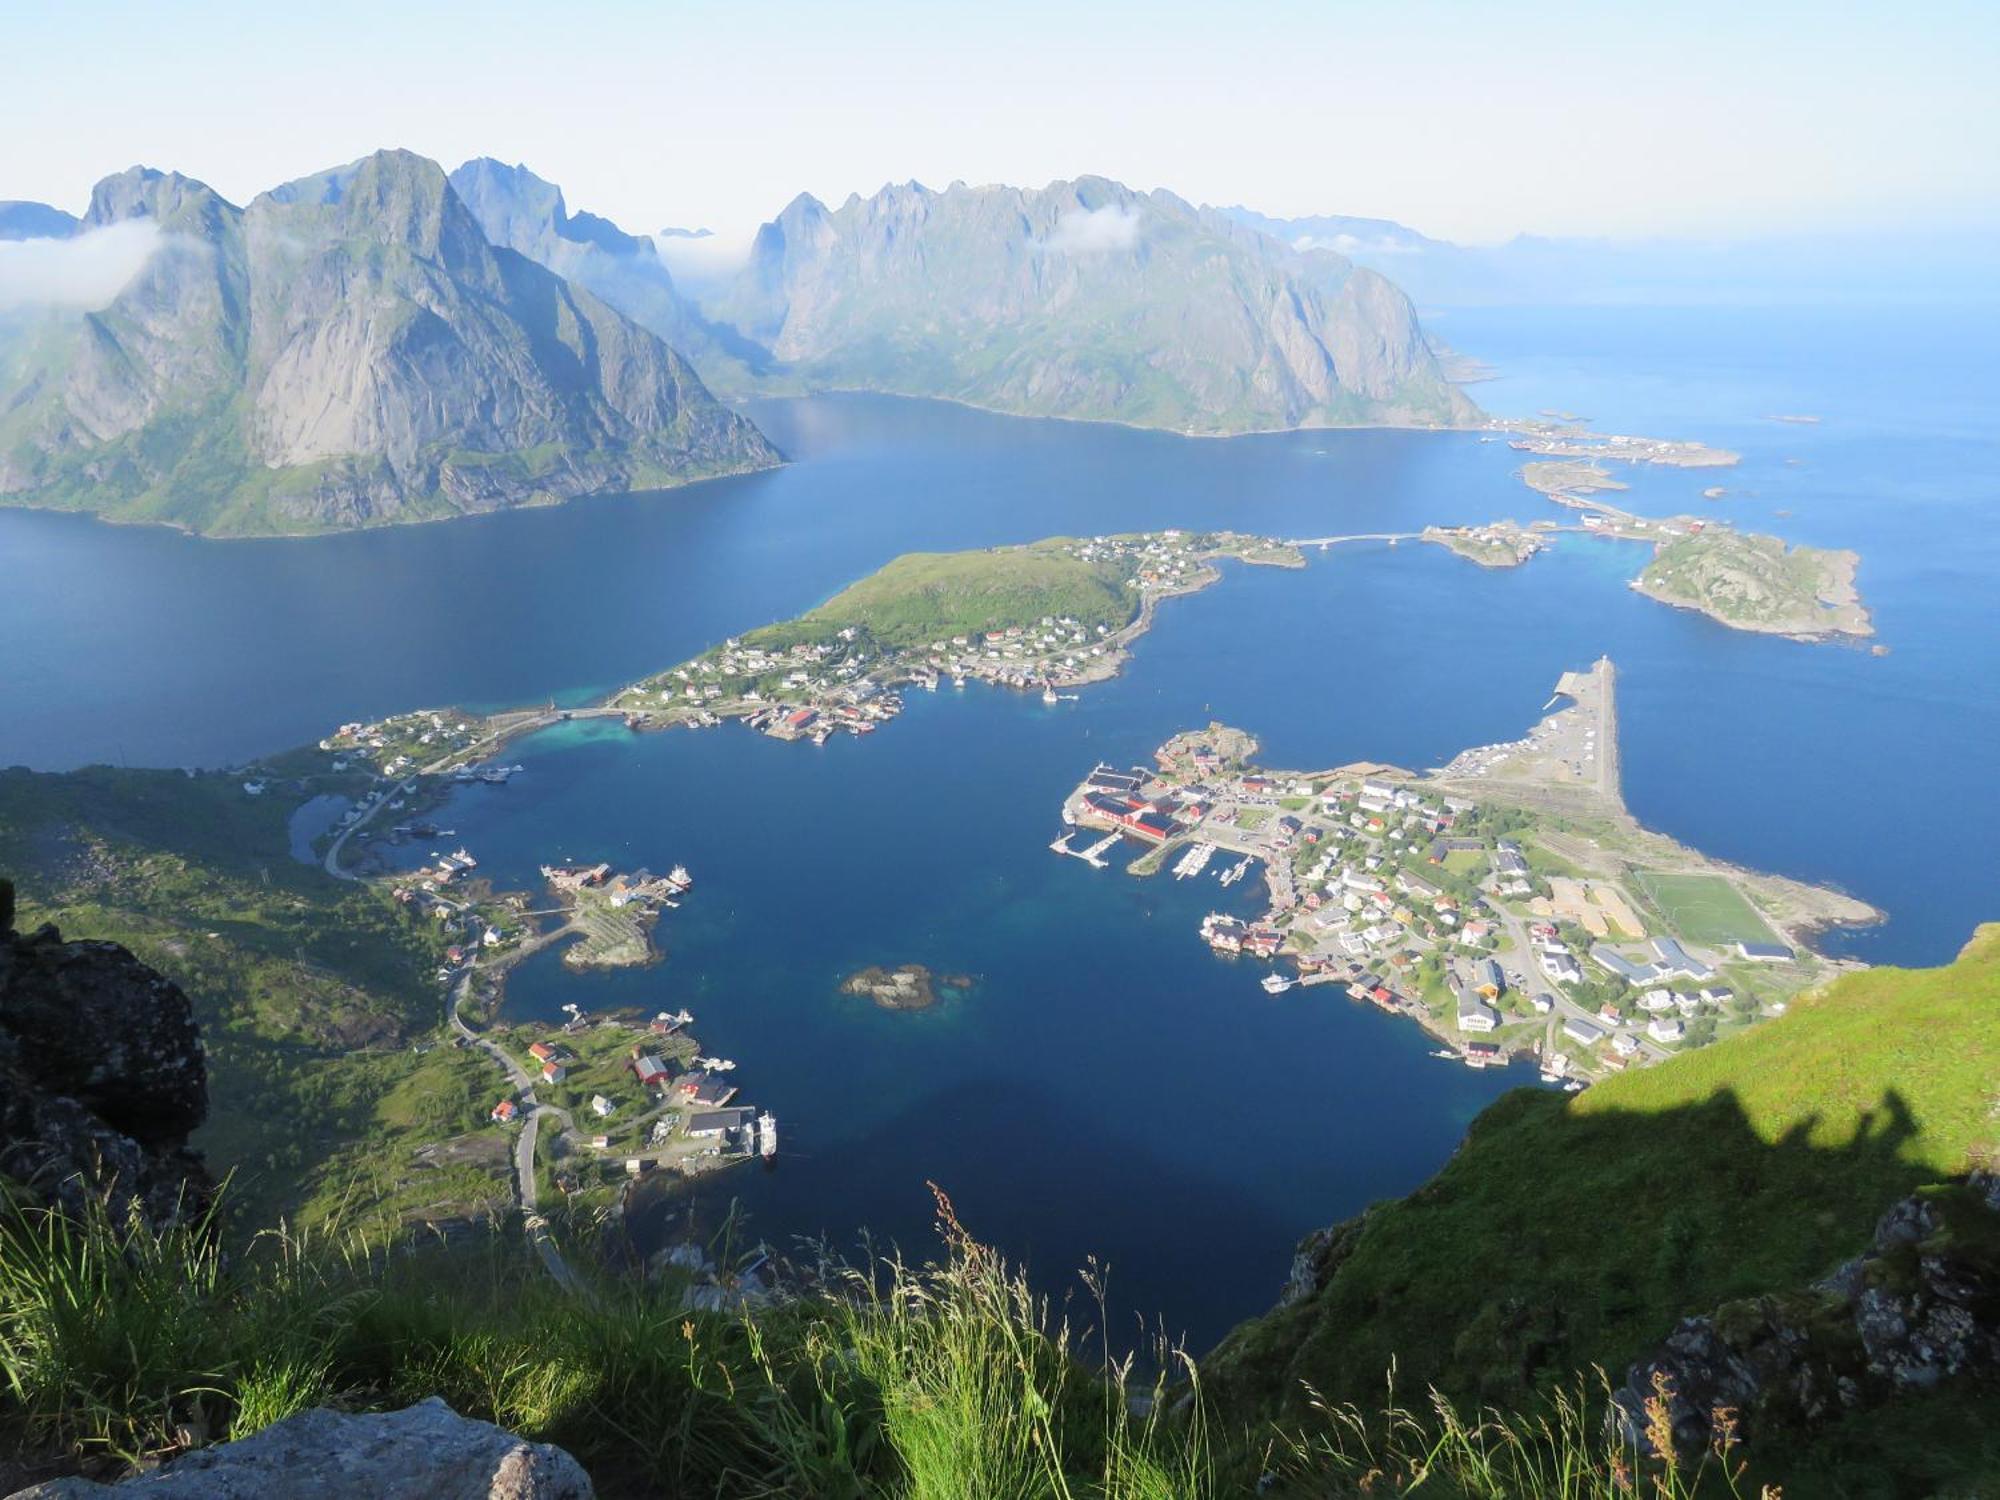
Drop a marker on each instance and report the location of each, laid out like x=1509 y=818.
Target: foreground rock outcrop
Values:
x=1920 y=1307
x=102 y=1077
x=424 y=1452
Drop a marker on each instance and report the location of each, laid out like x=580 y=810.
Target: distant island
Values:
x=1744 y=580
x=1757 y=583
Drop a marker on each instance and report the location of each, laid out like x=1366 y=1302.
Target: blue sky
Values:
x=1467 y=121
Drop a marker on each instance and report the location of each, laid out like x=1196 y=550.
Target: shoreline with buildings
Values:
x=1506 y=902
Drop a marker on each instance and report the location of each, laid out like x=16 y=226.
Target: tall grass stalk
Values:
x=951 y=1380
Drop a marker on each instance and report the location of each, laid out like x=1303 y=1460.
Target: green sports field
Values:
x=1705 y=909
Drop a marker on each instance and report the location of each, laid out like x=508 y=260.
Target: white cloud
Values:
x=1353 y=244
x=1092 y=231
x=87 y=271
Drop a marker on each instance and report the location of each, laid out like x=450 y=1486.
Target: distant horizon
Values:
x=1469 y=125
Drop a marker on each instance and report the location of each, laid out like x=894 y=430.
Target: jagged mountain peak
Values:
x=167 y=198
x=1083 y=298
x=515 y=204
x=348 y=350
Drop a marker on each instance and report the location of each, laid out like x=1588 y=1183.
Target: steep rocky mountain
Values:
x=1083 y=299
x=347 y=350
x=525 y=213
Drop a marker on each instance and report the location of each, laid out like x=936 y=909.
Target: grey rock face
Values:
x=1920 y=1307
x=102 y=1078
x=349 y=349
x=424 y=1452
x=1085 y=299
x=527 y=214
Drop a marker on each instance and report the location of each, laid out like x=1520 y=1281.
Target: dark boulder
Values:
x=102 y=1077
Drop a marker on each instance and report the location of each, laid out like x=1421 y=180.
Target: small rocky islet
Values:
x=905 y=987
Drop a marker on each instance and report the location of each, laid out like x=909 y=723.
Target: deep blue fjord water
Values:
x=1109 y=1089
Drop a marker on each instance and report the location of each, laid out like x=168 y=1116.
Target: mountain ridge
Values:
x=1083 y=299
x=346 y=350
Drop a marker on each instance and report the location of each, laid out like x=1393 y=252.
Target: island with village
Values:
x=1507 y=901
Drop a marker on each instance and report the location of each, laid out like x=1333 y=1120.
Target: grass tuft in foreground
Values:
x=119 y=1343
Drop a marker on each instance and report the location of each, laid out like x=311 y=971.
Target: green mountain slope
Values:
x=309 y=991
x=348 y=350
x=1084 y=299
x=1575 y=1229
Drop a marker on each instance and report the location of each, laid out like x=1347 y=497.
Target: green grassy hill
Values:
x=1571 y=1230
x=928 y=596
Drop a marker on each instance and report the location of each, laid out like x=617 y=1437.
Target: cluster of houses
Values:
x=1369 y=883
x=392 y=745
x=812 y=689
x=700 y=1095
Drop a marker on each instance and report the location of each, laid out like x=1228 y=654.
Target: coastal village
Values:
x=795 y=682
x=597 y=1104
x=1502 y=923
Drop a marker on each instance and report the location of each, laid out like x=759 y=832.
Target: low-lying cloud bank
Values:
x=1094 y=231
x=85 y=271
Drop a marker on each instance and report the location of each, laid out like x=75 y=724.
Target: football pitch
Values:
x=1706 y=909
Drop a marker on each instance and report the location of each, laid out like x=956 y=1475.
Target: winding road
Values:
x=526 y=1190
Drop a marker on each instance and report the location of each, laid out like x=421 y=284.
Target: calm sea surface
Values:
x=1108 y=1088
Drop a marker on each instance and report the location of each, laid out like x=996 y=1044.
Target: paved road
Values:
x=525 y=1188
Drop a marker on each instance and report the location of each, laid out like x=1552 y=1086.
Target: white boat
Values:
x=767 y=1135
x=1049 y=696
x=1448 y=1056
x=1276 y=983
x=678 y=876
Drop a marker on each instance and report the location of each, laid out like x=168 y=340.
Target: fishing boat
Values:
x=1049 y=695
x=767 y=1135
x=1276 y=983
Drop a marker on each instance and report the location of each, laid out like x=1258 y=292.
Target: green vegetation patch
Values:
x=1572 y=1230
x=310 y=991
x=1704 y=908
x=922 y=597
